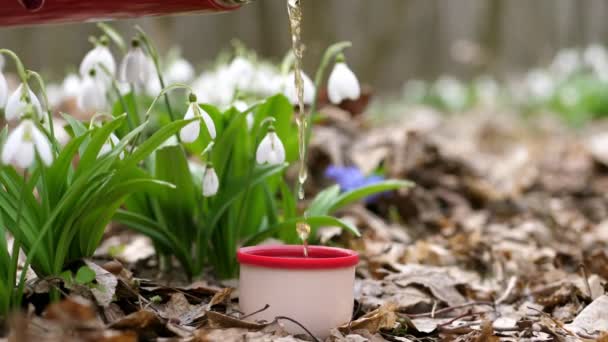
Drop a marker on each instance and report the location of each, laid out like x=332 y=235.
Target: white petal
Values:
x=105 y=149
x=92 y=96
x=342 y=84
x=277 y=148
x=43 y=146
x=180 y=71
x=11 y=146
x=209 y=123
x=290 y=89
x=16 y=107
x=210 y=183
x=71 y=85
x=241 y=106
x=191 y=131
x=264 y=148
x=134 y=67
x=100 y=55
x=25 y=155
x=3 y=90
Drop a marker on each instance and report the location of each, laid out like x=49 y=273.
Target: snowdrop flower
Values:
x=271 y=149
x=95 y=59
x=23 y=143
x=290 y=89
x=342 y=83
x=16 y=105
x=92 y=97
x=3 y=90
x=540 y=84
x=241 y=72
x=566 y=62
x=62 y=136
x=452 y=92
x=180 y=71
x=1 y=62
x=134 y=67
x=210 y=181
x=109 y=145
x=71 y=85
x=192 y=130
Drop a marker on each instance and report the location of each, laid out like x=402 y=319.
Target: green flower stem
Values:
x=162 y=93
x=21 y=71
x=330 y=54
x=114 y=36
x=125 y=107
x=42 y=87
x=154 y=55
x=18 y=64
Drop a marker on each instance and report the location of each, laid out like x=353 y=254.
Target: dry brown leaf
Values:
x=593 y=319
x=179 y=310
x=73 y=310
x=487 y=333
x=441 y=281
x=219 y=320
x=383 y=317
x=105 y=286
x=140 y=320
x=221 y=297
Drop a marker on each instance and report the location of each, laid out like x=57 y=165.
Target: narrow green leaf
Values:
x=362 y=192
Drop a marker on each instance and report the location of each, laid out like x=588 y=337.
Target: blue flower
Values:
x=351 y=178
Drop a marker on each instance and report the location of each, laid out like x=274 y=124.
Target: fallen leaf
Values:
x=593 y=319
x=383 y=317
x=219 y=320
x=105 y=286
x=221 y=297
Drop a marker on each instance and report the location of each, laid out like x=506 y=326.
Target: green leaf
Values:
x=365 y=191
x=324 y=201
x=155 y=141
x=85 y=275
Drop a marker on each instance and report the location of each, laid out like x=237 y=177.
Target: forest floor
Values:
x=504 y=237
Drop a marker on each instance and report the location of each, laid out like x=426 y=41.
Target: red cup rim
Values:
x=291 y=257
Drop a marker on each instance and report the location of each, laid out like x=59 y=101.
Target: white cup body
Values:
x=319 y=299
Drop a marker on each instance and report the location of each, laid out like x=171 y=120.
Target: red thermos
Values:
x=29 y=12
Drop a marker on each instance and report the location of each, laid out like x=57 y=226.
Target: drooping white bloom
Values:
x=134 y=67
x=1 y=62
x=241 y=72
x=540 y=84
x=71 y=86
x=270 y=150
x=191 y=131
x=290 y=89
x=3 y=90
x=92 y=95
x=180 y=71
x=211 y=183
x=342 y=84
x=16 y=106
x=23 y=143
x=109 y=145
x=61 y=135
x=94 y=59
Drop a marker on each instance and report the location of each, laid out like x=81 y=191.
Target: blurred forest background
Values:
x=394 y=40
